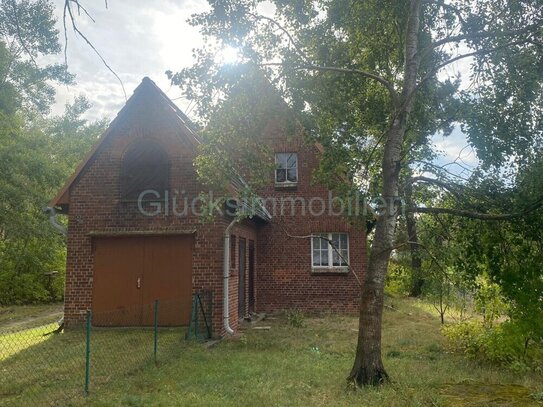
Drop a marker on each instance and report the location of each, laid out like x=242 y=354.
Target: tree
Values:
x=369 y=81
x=36 y=153
x=28 y=32
x=35 y=159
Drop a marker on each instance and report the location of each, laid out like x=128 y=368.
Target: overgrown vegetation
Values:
x=288 y=366
x=486 y=292
x=296 y=318
x=37 y=152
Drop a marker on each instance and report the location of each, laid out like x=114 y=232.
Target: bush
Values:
x=296 y=318
x=489 y=301
x=28 y=288
x=399 y=280
x=504 y=344
x=23 y=267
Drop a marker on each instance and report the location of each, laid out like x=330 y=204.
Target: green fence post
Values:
x=87 y=351
x=156 y=330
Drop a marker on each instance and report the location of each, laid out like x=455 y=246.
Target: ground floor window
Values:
x=330 y=250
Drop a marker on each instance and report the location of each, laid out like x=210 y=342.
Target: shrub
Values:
x=503 y=344
x=399 y=280
x=296 y=318
x=29 y=288
x=489 y=301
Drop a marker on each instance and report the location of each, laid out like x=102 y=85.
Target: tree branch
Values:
x=323 y=238
x=437 y=68
x=483 y=35
x=19 y=34
x=453 y=189
x=477 y=215
x=68 y=8
x=312 y=66
x=285 y=31
x=381 y=80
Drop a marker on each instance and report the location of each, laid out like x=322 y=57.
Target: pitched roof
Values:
x=62 y=199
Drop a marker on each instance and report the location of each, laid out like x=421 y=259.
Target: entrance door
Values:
x=241 y=280
x=251 y=276
x=130 y=273
x=118 y=270
x=167 y=277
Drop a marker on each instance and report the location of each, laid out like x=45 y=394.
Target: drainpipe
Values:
x=53 y=220
x=226 y=278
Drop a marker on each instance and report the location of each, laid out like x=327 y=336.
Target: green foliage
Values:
x=36 y=159
x=504 y=344
x=234 y=144
x=36 y=153
x=398 y=282
x=489 y=301
x=296 y=318
x=28 y=32
x=368 y=82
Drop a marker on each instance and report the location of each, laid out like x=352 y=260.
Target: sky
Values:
x=141 y=38
x=137 y=38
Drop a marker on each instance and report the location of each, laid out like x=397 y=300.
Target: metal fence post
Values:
x=87 y=351
x=156 y=330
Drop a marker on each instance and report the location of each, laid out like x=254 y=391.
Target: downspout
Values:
x=53 y=220
x=226 y=278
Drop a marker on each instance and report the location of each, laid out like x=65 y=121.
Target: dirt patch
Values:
x=18 y=317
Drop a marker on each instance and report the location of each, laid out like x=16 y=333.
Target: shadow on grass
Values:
x=50 y=370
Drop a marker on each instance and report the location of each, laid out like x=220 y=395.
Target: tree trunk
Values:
x=368 y=366
x=416 y=261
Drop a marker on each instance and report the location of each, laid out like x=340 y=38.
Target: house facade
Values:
x=135 y=234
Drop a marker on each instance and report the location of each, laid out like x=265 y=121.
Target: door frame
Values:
x=251 y=276
x=242 y=276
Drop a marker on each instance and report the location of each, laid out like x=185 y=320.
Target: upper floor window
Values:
x=330 y=250
x=286 y=171
x=144 y=167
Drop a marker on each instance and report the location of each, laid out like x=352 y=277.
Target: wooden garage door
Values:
x=130 y=273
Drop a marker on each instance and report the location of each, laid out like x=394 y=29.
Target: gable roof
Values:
x=145 y=88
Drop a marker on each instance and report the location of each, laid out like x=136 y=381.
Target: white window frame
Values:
x=330 y=266
x=286 y=181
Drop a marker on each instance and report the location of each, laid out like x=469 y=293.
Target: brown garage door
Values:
x=130 y=273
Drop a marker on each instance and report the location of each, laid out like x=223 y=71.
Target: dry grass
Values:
x=305 y=366
x=289 y=366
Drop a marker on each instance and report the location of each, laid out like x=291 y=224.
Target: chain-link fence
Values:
x=48 y=365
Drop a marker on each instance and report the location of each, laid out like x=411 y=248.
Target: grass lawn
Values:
x=28 y=315
x=283 y=366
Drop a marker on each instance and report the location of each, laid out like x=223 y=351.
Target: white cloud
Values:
x=455 y=152
x=136 y=38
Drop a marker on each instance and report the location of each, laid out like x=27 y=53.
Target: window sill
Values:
x=144 y=201
x=329 y=270
x=286 y=185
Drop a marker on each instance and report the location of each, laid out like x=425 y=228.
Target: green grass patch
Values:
x=15 y=342
x=284 y=366
x=21 y=316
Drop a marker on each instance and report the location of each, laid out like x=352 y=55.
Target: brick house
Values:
x=131 y=239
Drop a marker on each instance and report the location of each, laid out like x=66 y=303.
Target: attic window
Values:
x=286 y=171
x=144 y=167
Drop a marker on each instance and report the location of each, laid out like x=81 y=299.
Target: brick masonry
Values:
x=284 y=277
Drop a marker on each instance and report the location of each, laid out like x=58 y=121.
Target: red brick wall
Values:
x=95 y=205
x=285 y=277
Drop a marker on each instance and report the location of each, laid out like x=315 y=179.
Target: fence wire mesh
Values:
x=41 y=366
x=46 y=365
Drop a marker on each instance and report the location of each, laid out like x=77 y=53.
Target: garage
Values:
x=130 y=273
